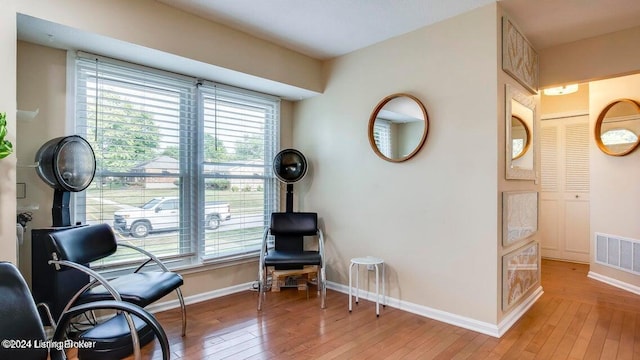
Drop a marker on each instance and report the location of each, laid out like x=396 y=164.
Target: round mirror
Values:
x=398 y=127
x=618 y=127
x=520 y=136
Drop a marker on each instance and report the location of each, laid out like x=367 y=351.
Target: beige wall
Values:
x=615 y=189
x=433 y=218
x=41 y=84
x=8 y=105
x=595 y=58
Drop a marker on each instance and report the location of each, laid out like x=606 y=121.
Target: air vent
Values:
x=618 y=252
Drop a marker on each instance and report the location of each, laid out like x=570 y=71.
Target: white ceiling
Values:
x=329 y=28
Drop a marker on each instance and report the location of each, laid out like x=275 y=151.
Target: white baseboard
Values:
x=431 y=313
x=449 y=318
x=193 y=299
x=613 y=282
x=517 y=312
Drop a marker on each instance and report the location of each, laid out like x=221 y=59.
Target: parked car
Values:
x=163 y=214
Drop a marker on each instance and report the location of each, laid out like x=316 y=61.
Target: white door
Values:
x=564 y=196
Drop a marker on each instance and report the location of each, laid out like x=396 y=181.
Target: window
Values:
x=618 y=137
x=183 y=165
x=517 y=148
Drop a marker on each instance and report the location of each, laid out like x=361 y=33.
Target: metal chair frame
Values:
x=262 y=270
x=100 y=280
x=59 y=333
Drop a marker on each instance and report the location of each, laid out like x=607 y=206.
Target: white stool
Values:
x=375 y=262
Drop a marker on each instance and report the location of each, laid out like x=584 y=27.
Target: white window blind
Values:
x=183 y=167
x=382 y=136
x=240 y=141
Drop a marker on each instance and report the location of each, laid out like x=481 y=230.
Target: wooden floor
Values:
x=576 y=318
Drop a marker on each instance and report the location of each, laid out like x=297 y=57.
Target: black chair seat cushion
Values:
x=112 y=338
x=141 y=288
x=275 y=257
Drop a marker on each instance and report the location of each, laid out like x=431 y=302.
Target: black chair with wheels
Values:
x=289 y=230
x=74 y=247
x=22 y=332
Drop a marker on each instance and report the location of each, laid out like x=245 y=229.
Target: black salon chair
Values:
x=289 y=230
x=72 y=248
x=22 y=333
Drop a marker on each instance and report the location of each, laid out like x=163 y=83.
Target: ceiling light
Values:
x=561 y=90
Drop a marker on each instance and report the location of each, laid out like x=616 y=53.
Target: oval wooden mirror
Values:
x=520 y=136
x=618 y=127
x=398 y=127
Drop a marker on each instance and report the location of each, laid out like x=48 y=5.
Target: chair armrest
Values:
x=263 y=252
x=47 y=311
x=128 y=308
x=265 y=236
x=148 y=254
x=321 y=245
x=98 y=278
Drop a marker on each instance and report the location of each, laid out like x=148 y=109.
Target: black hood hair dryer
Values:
x=67 y=164
x=290 y=166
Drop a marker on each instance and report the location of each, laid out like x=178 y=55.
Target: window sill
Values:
x=216 y=264
x=185 y=268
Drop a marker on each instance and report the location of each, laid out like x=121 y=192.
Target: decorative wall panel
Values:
x=519 y=216
x=519 y=58
x=520 y=273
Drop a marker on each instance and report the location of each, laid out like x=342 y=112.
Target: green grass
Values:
x=217 y=243
x=220 y=242
x=240 y=201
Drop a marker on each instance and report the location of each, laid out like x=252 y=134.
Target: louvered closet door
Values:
x=564 y=196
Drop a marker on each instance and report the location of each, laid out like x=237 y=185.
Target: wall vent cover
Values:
x=618 y=252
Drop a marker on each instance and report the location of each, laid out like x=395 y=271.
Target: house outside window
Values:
x=183 y=165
